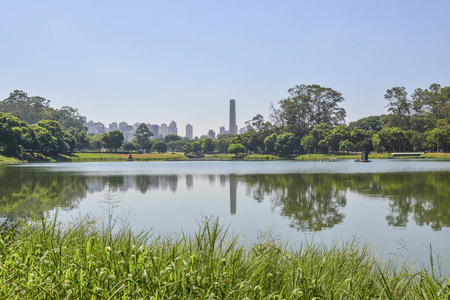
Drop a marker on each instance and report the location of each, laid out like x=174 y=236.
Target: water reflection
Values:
x=312 y=202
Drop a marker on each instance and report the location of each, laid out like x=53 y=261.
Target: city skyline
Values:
x=182 y=61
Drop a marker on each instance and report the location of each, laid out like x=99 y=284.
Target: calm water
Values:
x=399 y=206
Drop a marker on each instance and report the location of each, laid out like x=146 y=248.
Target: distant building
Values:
x=242 y=131
x=154 y=129
x=172 y=129
x=189 y=131
x=233 y=126
x=123 y=126
x=212 y=134
x=222 y=130
x=95 y=127
x=163 y=130
x=113 y=126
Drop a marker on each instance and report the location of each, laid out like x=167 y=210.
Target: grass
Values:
x=99 y=156
x=434 y=155
x=8 y=160
x=45 y=260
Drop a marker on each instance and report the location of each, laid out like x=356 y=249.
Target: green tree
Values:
x=160 y=147
x=346 y=145
x=56 y=131
x=285 y=144
x=171 y=138
x=208 y=146
x=113 y=139
x=374 y=123
x=309 y=105
x=338 y=134
x=269 y=143
x=67 y=117
x=309 y=143
x=236 y=149
x=400 y=107
x=11 y=130
x=27 y=109
x=142 y=137
x=129 y=146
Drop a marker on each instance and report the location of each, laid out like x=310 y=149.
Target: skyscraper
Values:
x=163 y=130
x=233 y=127
x=189 y=131
x=172 y=129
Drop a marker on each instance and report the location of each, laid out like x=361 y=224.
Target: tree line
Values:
x=309 y=120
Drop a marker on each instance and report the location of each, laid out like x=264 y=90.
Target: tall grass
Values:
x=45 y=260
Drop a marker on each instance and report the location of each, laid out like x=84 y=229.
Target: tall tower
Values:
x=232 y=129
x=189 y=131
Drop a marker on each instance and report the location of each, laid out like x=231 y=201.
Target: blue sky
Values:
x=158 y=61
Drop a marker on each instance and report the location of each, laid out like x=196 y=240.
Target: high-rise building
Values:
x=154 y=129
x=222 y=130
x=189 y=131
x=172 y=129
x=113 y=126
x=163 y=130
x=233 y=126
x=212 y=134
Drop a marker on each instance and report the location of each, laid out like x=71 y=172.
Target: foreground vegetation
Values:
x=43 y=260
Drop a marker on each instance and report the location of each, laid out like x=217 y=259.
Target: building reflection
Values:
x=233 y=192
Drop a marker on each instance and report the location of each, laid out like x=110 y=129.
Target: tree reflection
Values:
x=24 y=192
x=315 y=201
x=311 y=201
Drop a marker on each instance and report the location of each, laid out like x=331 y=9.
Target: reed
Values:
x=45 y=260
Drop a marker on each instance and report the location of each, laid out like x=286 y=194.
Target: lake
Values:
x=400 y=207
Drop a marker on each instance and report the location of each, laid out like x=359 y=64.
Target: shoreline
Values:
x=178 y=156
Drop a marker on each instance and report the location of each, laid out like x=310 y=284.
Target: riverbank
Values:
x=179 y=156
x=43 y=259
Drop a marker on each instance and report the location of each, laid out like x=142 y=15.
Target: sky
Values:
x=158 y=61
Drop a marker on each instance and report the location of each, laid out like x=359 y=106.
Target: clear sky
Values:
x=158 y=61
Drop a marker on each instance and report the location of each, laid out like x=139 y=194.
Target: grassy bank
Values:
x=8 y=160
x=100 y=156
x=45 y=261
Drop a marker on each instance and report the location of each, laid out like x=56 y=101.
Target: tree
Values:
x=222 y=145
x=171 y=138
x=11 y=130
x=56 y=131
x=113 y=139
x=346 y=145
x=160 y=147
x=129 y=146
x=142 y=137
x=309 y=105
x=285 y=144
x=374 y=123
x=236 y=149
x=68 y=117
x=309 y=143
x=208 y=146
x=400 y=107
x=27 y=109
x=338 y=134
x=269 y=143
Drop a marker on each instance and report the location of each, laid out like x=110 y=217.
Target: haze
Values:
x=158 y=61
